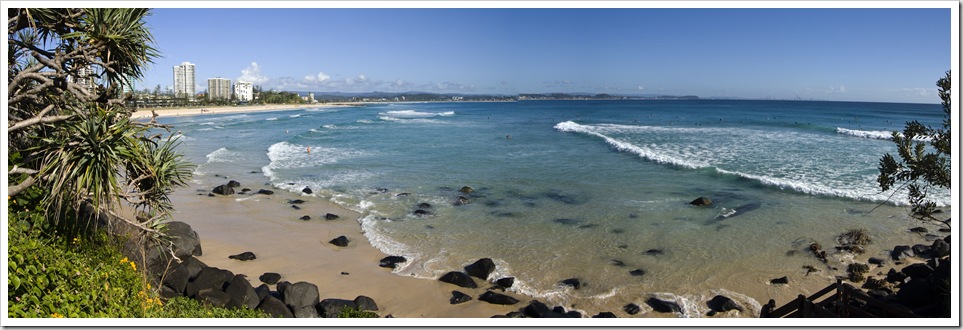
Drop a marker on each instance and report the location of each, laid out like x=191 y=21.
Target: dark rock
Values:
x=265 y=192
x=210 y=195
x=193 y=267
x=340 y=241
x=515 y=315
x=245 y=190
x=274 y=307
x=270 y=278
x=345 y=273
x=940 y=248
x=574 y=314
x=916 y=293
x=654 y=252
x=497 y=298
x=481 y=268
x=331 y=216
x=262 y=291
x=177 y=278
x=459 y=279
x=876 y=261
x=947 y=239
x=244 y=256
x=505 y=282
x=536 y=309
x=781 y=280
x=565 y=199
x=701 y=201
x=466 y=189
x=462 y=200
x=391 y=261
x=632 y=309
x=894 y=276
x=421 y=213
x=901 y=252
x=213 y=297
x=306 y=218
x=922 y=250
x=573 y=282
x=424 y=206
x=919 y=230
x=242 y=293
x=209 y=278
x=917 y=271
x=637 y=272
x=873 y=284
x=223 y=190
x=296 y=201
x=295 y=207
x=457 y=297
x=402 y=194
x=721 y=303
x=617 y=263
x=591 y=225
x=306 y=190
x=365 y=303
x=856 y=271
x=663 y=306
x=306 y=312
x=233 y=184
x=184 y=239
x=330 y=308
x=605 y=315
x=168 y=293
x=298 y=295
x=558 y=309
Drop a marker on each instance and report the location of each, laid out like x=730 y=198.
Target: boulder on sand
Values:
x=701 y=201
x=459 y=279
x=481 y=268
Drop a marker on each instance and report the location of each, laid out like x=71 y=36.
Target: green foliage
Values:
x=273 y=97
x=354 y=312
x=921 y=169
x=58 y=276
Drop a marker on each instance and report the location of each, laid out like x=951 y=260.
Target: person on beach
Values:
x=309 y=150
x=508 y=137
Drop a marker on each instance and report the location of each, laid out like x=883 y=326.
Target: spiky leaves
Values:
x=921 y=169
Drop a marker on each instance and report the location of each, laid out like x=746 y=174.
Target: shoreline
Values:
x=214 y=110
x=256 y=223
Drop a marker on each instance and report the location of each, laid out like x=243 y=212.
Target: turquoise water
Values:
x=584 y=189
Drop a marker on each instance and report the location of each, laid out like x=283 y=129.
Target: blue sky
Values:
x=889 y=55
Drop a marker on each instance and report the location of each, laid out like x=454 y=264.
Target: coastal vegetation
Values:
x=920 y=169
x=75 y=159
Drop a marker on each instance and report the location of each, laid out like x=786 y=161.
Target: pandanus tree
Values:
x=69 y=133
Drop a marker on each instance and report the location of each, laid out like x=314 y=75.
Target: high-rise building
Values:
x=244 y=91
x=218 y=89
x=85 y=76
x=184 y=80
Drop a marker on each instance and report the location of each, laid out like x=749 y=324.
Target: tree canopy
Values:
x=921 y=169
x=69 y=132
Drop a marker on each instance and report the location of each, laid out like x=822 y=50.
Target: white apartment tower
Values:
x=218 y=89
x=244 y=91
x=184 y=80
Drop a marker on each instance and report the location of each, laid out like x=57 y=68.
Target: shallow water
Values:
x=587 y=189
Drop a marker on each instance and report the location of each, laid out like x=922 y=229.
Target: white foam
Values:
x=272 y=118
x=416 y=114
x=223 y=155
x=645 y=153
x=879 y=135
x=285 y=155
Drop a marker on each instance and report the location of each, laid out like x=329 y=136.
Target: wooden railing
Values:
x=839 y=304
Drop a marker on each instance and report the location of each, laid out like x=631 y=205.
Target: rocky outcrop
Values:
x=391 y=261
x=663 y=306
x=481 y=268
x=244 y=256
x=701 y=201
x=223 y=190
x=185 y=240
x=497 y=298
x=459 y=279
x=720 y=303
x=270 y=278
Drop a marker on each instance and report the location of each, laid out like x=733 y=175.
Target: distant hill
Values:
x=427 y=96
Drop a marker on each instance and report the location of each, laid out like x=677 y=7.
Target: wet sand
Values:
x=193 y=111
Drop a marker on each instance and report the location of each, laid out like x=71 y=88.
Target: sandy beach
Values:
x=299 y=250
x=211 y=110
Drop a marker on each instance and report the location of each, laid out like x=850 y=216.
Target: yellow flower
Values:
x=123 y=260
x=56 y=315
x=148 y=286
x=132 y=265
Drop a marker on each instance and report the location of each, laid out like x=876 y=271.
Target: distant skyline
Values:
x=884 y=55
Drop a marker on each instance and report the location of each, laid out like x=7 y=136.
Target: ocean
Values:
x=594 y=190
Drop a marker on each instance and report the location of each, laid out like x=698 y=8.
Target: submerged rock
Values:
x=573 y=282
x=223 y=190
x=632 y=309
x=781 y=280
x=663 y=306
x=701 y=201
x=307 y=190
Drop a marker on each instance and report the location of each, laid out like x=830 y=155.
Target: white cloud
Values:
x=840 y=89
x=640 y=87
x=323 y=77
x=252 y=74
